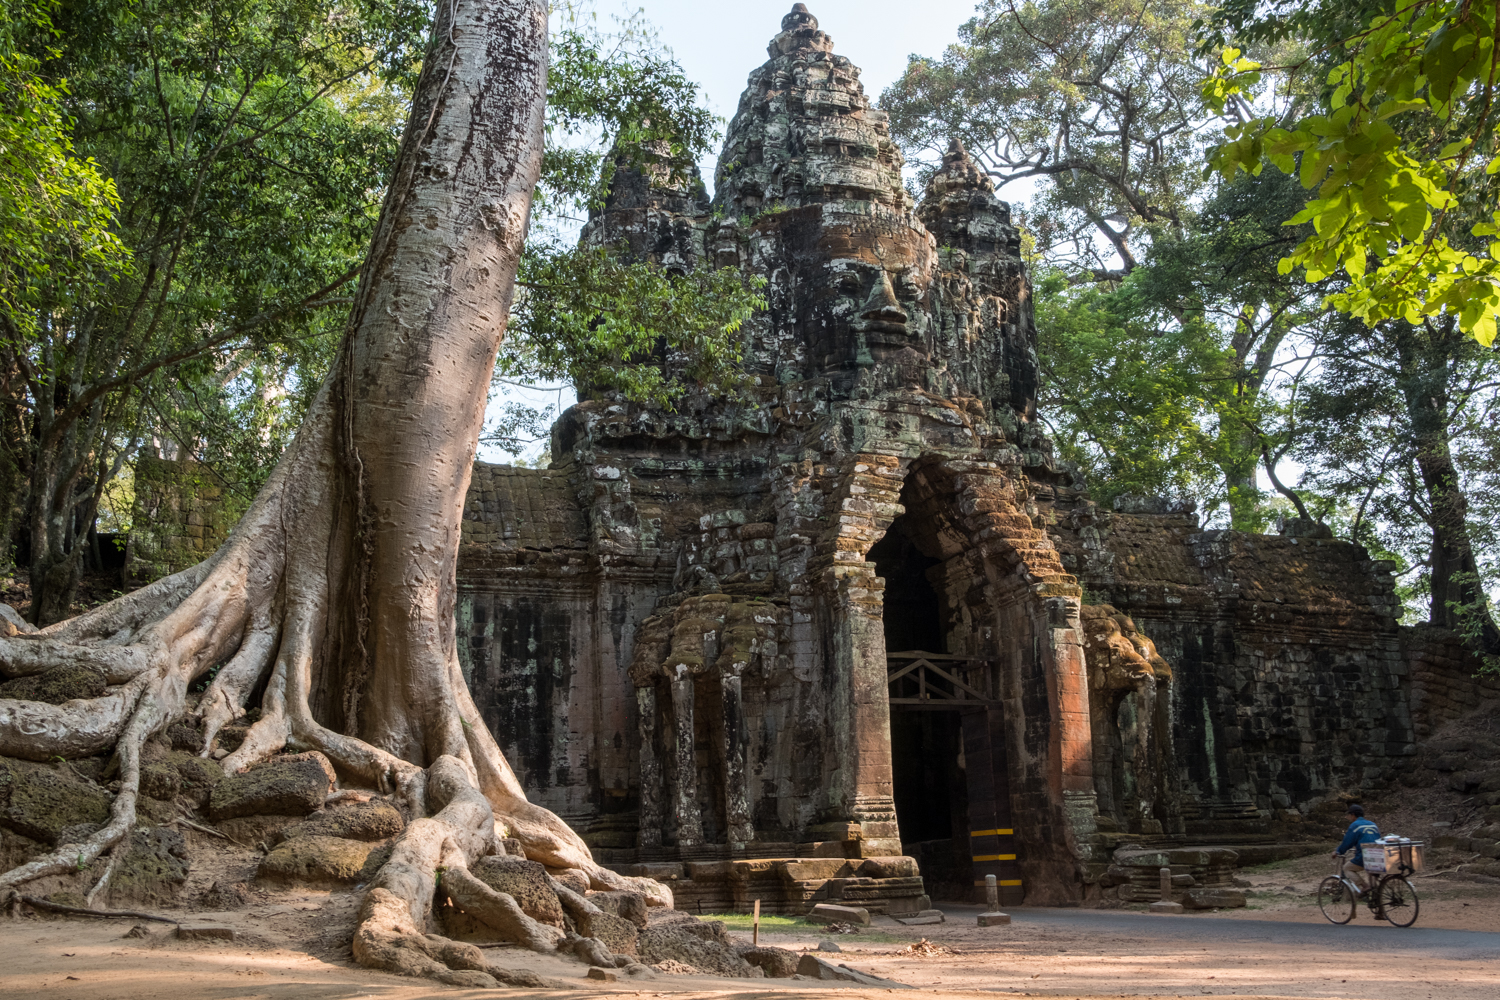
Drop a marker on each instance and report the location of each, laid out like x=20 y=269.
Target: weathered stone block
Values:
x=814 y=967
x=292 y=785
x=1212 y=899
x=831 y=913
x=525 y=881
x=615 y=933
x=154 y=869
x=776 y=963
x=41 y=801
x=373 y=820
x=322 y=861
x=629 y=905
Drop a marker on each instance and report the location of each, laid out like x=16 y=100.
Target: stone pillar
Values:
x=864 y=506
x=736 y=791
x=652 y=817
x=1072 y=738
x=685 y=758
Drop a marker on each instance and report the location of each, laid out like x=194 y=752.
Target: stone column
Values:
x=736 y=790
x=652 y=817
x=864 y=505
x=685 y=758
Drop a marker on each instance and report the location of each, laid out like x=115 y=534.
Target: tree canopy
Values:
x=1402 y=156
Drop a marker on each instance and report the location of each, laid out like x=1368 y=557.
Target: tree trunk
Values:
x=340 y=580
x=54 y=564
x=1458 y=596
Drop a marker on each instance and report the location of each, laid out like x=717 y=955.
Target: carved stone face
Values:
x=863 y=293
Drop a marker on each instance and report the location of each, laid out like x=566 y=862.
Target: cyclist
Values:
x=1361 y=831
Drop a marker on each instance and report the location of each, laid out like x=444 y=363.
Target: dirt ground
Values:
x=294 y=944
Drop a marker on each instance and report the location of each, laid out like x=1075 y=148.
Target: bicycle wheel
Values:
x=1398 y=901
x=1335 y=900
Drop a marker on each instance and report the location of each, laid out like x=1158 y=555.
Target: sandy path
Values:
x=294 y=945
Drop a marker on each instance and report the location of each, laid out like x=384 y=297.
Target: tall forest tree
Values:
x=1096 y=102
x=1399 y=157
x=337 y=587
x=244 y=143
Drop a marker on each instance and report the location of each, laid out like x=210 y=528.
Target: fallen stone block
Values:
x=994 y=919
x=814 y=967
x=293 y=785
x=622 y=903
x=603 y=975
x=373 y=820
x=1213 y=899
x=205 y=933
x=525 y=881
x=40 y=801
x=831 y=913
x=1165 y=906
x=923 y=917
x=776 y=963
x=322 y=861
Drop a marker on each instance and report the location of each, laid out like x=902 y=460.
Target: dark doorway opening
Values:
x=913 y=609
x=928 y=778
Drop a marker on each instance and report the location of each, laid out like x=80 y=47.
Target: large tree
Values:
x=339 y=582
x=247 y=143
x=1095 y=101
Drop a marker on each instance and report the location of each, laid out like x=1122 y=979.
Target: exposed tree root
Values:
x=116 y=855
x=14 y=898
x=336 y=589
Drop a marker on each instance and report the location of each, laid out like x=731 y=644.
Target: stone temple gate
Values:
x=857 y=627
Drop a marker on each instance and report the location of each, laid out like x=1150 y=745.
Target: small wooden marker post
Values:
x=993 y=918
x=755 y=927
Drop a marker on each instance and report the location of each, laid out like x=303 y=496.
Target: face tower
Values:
x=799 y=642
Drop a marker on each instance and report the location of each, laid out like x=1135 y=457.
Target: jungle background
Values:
x=186 y=193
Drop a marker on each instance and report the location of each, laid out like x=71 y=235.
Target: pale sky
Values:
x=718 y=44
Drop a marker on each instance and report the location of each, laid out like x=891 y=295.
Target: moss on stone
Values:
x=283 y=786
x=40 y=801
x=322 y=861
x=154 y=870
x=56 y=686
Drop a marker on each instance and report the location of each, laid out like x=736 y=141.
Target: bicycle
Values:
x=1390 y=896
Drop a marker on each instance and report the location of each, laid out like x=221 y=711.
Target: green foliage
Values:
x=56 y=208
x=1124 y=391
x=614 y=98
x=1098 y=98
x=1401 y=157
x=244 y=144
x=590 y=317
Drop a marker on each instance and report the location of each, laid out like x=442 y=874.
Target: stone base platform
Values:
x=890 y=885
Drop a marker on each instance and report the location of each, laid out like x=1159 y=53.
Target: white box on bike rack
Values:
x=1393 y=855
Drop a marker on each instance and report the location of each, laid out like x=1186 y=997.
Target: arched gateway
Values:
x=771 y=648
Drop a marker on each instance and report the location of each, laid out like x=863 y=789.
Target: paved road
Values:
x=1362 y=934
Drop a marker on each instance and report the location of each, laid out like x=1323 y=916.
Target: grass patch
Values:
x=768 y=921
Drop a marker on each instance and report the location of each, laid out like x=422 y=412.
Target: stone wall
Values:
x=1446 y=679
x=179 y=518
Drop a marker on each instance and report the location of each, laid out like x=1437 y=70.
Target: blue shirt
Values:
x=1361 y=831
